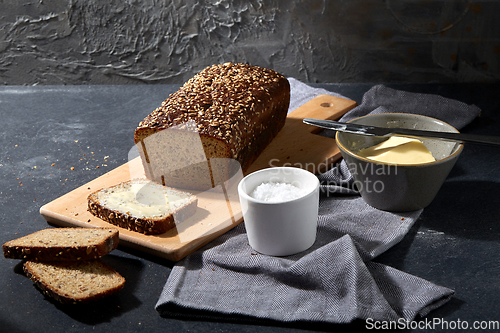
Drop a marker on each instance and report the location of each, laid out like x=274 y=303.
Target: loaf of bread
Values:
x=228 y=112
x=63 y=244
x=74 y=281
x=142 y=206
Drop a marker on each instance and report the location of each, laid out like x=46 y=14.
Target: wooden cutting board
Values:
x=218 y=211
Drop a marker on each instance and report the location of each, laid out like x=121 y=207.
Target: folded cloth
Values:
x=335 y=281
x=381 y=99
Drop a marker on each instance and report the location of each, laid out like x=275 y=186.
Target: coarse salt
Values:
x=276 y=192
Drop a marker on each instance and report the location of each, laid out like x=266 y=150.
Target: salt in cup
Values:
x=286 y=225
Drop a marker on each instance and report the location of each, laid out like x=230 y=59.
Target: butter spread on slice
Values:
x=143 y=200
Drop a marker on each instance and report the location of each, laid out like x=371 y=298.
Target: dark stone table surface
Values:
x=56 y=138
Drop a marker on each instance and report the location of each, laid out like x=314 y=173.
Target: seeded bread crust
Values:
x=236 y=110
x=74 y=282
x=63 y=244
x=146 y=225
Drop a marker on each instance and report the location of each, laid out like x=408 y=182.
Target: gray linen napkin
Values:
x=380 y=99
x=335 y=280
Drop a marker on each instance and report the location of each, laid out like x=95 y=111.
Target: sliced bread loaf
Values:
x=225 y=112
x=74 y=281
x=63 y=244
x=142 y=206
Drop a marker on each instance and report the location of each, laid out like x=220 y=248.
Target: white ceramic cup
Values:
x=280 y=228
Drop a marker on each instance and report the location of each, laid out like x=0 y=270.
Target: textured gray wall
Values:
x=159 y=41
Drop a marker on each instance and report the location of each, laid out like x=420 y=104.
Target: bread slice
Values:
x=74 y=281
x=143 y=206
x=63 y=244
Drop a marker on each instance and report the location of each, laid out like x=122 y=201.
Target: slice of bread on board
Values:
x=142 y=206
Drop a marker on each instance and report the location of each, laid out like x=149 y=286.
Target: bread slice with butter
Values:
x=74 y=281
x=142 y=206
x=63 y=244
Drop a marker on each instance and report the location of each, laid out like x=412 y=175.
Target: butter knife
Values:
x=412 y=133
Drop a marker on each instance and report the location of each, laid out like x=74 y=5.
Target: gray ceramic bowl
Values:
x=393 y=187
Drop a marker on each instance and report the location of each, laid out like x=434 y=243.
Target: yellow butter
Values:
x=399 y=150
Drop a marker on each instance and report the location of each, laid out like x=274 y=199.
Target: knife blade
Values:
x=412 y=133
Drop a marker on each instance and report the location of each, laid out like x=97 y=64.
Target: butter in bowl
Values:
x=399 y=174
x=280 y=209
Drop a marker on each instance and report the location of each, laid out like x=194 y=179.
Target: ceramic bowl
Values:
x=393 y=187
x=280 y=228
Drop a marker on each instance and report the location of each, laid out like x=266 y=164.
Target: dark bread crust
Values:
x=46 y=252
x=51 y=290
x=147 y=226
